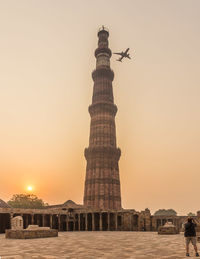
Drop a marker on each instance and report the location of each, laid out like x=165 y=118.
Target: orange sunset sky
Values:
x=46 y=59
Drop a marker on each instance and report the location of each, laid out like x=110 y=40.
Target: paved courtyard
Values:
x=90 y=245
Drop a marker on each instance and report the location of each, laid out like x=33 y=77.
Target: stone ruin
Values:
x=168 y=229
x=17 y=223
x=32 y=231
x=34 y=227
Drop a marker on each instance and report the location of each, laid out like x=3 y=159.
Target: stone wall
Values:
x=85 y=219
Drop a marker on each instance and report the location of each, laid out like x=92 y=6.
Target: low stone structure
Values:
x=168 y=229
x=34 y=233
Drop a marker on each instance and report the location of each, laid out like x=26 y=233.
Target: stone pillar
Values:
x=51 y=221
x=108 y=216
x=11 y=217
x=32 y=219
x=130 y=222
x=148 y=223
x=154 y=224
x=26 y=220
x=38 y=219
x=79 y=222
x=86 y=222
x=59 y=227
x=93 y=222
x=43 y=220
x=116 y=225
x=100 y=221
x=67 y=222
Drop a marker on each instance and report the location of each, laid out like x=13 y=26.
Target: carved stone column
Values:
x=67 y=223
x=11 y=216
x=38 y=220
x=108 y=216
x=86 y=222
x=116 y=225
x=26 y=221
x=59 y=227
x=51 y=221
x=79 y=222
x=43 y=220
x=93 y=222
x=100 y=221
x=32 y=219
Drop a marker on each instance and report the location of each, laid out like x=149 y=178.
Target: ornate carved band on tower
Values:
x=102 y=183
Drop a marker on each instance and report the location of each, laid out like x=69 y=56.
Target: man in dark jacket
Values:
x=190 y=235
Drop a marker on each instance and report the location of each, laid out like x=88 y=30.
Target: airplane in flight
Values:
x=124 y=54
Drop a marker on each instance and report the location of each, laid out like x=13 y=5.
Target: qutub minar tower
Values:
x=102 y=183
x=102 y=209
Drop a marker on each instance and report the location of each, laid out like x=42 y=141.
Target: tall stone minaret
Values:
x=102 y=183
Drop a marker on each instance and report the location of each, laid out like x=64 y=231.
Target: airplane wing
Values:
x=126 y=51
x=120 y=59
x=118 y=53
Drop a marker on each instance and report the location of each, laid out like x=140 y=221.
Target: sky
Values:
x=46 y=59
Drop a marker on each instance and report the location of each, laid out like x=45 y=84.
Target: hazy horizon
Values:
x=47 y=57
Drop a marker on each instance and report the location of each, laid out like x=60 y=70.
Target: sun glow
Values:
x=29 y=188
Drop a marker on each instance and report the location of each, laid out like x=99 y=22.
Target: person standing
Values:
x=190 y=235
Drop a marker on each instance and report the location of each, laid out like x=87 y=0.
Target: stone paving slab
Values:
x=101 y=245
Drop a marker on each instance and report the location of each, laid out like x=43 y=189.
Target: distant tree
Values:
x=163 y=212
x=26 y=201
x=191 y=214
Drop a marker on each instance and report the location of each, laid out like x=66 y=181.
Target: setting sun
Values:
x=29 y=188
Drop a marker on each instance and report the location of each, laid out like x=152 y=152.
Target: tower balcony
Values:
x=102 y=107
x=102 y=50
x=103 y=72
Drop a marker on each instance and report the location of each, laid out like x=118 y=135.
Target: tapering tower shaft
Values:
x=102 y=183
